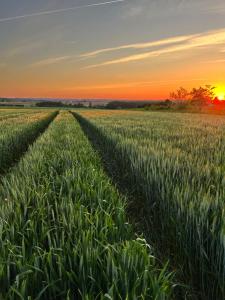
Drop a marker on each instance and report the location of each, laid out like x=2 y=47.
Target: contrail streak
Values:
x=56 y=11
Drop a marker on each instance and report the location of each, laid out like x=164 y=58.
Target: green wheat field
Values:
x=99 y=204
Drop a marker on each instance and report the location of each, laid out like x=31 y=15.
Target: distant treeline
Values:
x=5 y=100
x=138 y=104
x=16 y=105
x=58 y=104
x=198 y=99
x=111 y=105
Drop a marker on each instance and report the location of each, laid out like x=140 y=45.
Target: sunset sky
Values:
x=132 y=49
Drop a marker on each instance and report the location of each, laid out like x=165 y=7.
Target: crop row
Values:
x=17 y=134
x=177 y=163
x=12 y=114
x=63 y=229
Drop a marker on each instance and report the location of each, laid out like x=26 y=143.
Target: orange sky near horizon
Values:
x=116 y=50
x=36 y=85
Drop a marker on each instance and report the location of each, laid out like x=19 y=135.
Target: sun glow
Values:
x=220 y=92
x=220 y=96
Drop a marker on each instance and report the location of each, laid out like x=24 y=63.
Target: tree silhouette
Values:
x=199 y=95
x=180 y=94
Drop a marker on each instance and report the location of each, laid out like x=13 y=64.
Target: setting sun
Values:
x=220 y=92
x=221 y=96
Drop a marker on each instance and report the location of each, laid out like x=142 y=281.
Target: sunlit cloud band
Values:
x=206 y=39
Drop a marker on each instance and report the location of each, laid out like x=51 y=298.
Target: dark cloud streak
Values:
x=57 y=11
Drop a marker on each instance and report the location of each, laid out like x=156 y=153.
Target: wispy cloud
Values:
x=214 y=61
x=24 y=48
x=133 y=10
x=57 y=11
x=49 y=61
x=216 y=8
x=206 y=39
x=162 y=42
x=134 y=84
x=2 y=65
x=159 y=8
